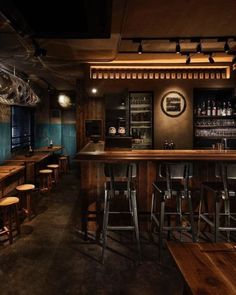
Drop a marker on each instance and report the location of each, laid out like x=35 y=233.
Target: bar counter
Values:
x=96 y=152
x=93 y=155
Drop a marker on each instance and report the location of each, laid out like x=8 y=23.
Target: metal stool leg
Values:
x=135 y=220
x=162 y=213
x=227 y=217
x=217 y=217
x=191 y=215
x=199 y=213
x=105 y=224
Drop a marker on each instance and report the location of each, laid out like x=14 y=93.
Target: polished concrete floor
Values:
x=51 y=257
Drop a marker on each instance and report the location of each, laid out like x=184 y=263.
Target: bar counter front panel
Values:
x=93 y=155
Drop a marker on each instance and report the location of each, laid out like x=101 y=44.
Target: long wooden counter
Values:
x=95 y=152
x=93 y=155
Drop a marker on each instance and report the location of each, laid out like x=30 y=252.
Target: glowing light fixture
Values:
x=94 y=90
x=64 y=100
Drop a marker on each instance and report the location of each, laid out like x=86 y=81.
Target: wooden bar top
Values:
x=207 y=268
x=6 y=171
x=95 y=152
x=49 y=149
x=33 y=158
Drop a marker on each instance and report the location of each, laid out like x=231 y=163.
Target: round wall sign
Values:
x=173 y=104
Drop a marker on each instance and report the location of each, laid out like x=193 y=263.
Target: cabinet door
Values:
x=141 y=119
x=117 y=111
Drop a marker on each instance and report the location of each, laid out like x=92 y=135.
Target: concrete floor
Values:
x=51 y=257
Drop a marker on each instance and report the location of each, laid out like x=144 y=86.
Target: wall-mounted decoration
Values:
x=15 y=91
x=173 y=104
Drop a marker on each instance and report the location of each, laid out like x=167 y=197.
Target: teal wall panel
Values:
x=60 y=134
x=69 y=139
x=5 y=141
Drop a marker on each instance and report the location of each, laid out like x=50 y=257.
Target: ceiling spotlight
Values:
x=177 y=48
x=140 y=48
x=188 y=60
x=226 y=47
x=211 y=59
x=199 y=48
x=94 y=90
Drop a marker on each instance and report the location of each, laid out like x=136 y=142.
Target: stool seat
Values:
x=45 y=171
x=25 y=187
x=53 y=166
x=63 y=158
x=7 y=201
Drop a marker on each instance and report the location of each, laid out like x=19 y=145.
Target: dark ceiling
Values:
x=73 y=19
x=95 y=31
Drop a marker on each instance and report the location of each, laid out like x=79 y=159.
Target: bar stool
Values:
x=63 y=164
x=174 y=185
x=224 y=191
x=120 y=181
x=55 y=169
x=45 y=176
x=25 y=191
x=9 y=209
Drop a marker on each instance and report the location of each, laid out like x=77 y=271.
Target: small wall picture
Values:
x=173 y=104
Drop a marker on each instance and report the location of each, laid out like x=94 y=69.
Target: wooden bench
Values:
x=207 y=268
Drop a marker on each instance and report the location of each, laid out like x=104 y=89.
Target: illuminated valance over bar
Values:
x=165 y=73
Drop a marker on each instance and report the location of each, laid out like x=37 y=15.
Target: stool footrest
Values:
x=120 y=228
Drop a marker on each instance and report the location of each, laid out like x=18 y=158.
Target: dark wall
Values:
x=179 y=129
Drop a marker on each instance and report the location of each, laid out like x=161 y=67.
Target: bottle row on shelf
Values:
x=215 y=123
x=219 y=132
x=140 y=100
x=142 y=116
x=211 y=107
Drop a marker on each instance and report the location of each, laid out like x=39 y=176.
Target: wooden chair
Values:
x=9 y=210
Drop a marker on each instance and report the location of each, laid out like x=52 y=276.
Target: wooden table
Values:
x=53 y=149
x=31 y=163
x=207 y=268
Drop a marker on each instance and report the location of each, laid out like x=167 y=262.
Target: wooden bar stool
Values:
x=25 y=191
x=45 y=180
x=55 y=169
x=8 y=207
x=63 y=164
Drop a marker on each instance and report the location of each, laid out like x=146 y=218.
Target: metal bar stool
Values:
x=120 y=180
x=224 y=191
x=9 y=210
x=25 y=191
x=174 y=185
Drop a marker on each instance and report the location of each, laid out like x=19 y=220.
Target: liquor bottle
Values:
x=224 y=109
x=203 y=108
x=166 y=145
x=213 y=110
x=171 y=145
x=208 y=107
x=219 y=110
x=229 y=110
x=199 y=110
